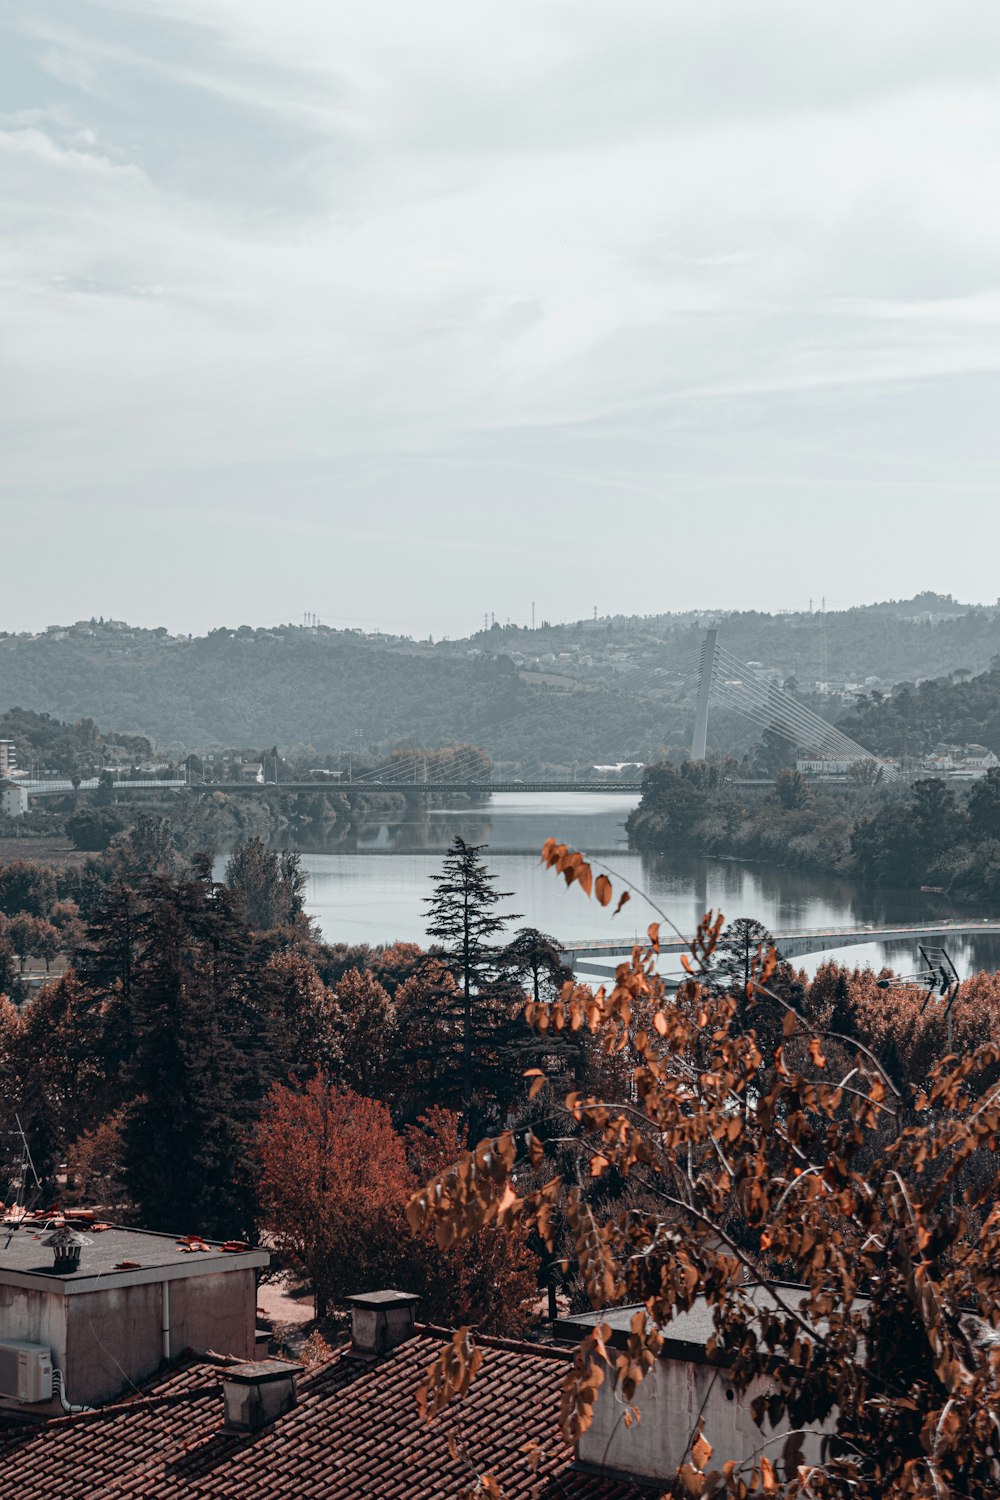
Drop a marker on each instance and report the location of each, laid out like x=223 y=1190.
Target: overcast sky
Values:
x=402 y=312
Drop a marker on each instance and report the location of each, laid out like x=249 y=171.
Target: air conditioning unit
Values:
x=25 y=1371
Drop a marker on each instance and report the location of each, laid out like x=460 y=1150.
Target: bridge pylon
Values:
x=699 y=739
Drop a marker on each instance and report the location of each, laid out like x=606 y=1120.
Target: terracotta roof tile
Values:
x=354 y=1435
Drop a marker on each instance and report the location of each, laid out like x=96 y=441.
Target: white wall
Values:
x=669 y=1400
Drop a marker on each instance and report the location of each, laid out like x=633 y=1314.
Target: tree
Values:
x=984 y=805
x=865 y=772
x=490 y=1281
x=95 y=1170
x=791 y=790
x=773 y=753
x=332 y=1187
x=429 y=1012
x=8 y=959
x=368 y=1033
x=837 y=1235
x=304 y=1018
x=26 y=888
x=203 y=1054
x=462 y=915
x=33 y=937
x=269 y=886
x=536 y=957
x=146 y=848
x=93 y=828
x=737 y=950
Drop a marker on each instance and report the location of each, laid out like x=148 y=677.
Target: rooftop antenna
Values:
x=938 y=974
x=25 y=1174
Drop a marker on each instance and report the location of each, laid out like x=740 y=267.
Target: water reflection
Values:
x=372 y=889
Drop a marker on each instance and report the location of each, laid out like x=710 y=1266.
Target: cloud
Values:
x=501 y=246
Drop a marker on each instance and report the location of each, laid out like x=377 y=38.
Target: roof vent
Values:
x=258 y=1393
x=381 y=1320
x=66 y=1244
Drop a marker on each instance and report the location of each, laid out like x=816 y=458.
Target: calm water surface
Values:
x=374 y=894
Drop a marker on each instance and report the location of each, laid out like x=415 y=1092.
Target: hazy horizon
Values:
x=402 y=314
x=707 y=612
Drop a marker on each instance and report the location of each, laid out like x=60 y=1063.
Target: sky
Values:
x=405 y=313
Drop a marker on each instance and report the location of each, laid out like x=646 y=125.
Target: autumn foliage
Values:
x=840 y=1223
x=335 y=1178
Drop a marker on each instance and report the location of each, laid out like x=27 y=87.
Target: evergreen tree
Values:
x=738 y=948
x=205 y=1054
x=463 y=917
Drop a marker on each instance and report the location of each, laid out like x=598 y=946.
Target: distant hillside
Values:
x=912 y=720
x=325 y=691
x=607 y=690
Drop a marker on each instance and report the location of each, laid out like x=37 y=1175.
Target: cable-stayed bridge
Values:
x=730 y=683
x=723 y=681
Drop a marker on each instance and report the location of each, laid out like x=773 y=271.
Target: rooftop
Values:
x=356 y=1432
x=113 y=1251
x=687 y=1333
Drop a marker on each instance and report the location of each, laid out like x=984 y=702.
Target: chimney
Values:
x=257 y=1394
x=380 y=1321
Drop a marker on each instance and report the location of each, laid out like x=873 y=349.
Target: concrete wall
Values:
x=215 y=1312
x=112 y=1338
x=39 y=1317
x=114 y=1334
x=669 y=1401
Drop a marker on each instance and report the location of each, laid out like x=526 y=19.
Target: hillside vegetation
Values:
x=608 y=690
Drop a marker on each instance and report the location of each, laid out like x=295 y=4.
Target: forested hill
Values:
x=327 y=692
x=914 y=719
x=617 y=689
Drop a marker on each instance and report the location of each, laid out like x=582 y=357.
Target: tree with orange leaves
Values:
x=332 y=1187
x=878 y=1205
x=491 y=1280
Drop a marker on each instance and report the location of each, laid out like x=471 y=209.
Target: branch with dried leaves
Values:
x=820 y=1222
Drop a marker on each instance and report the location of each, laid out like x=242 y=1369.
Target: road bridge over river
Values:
x=797 y=942
x=421 y=788
x=56 y=787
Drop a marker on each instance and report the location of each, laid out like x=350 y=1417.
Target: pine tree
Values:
x=463 y=917
x=204 y=1058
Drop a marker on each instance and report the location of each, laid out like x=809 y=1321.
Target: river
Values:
x=374 y=893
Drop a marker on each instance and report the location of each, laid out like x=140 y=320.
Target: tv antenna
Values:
x=940 y=977
x=24 y=1178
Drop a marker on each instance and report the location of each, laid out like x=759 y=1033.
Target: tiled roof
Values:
x=355 y=1432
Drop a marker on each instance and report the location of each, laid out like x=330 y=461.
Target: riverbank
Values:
x=928 y=834
x=55 y=852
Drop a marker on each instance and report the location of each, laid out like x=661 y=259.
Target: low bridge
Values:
x=422 y=788
x=795 y=943
x=58 y=787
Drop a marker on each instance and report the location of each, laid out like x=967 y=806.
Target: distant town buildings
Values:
x=952 y=762
x=8 y=761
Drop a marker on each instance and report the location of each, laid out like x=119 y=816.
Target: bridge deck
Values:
x=59 y=787
x=794 y=944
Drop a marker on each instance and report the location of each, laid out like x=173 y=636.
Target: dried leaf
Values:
x=701 y=1451
x=602 y=889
